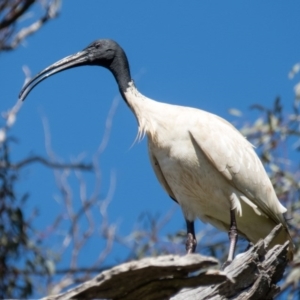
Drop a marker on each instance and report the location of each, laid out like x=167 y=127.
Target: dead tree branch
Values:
x=10 y=13
x=45 y=162
x=252 y=275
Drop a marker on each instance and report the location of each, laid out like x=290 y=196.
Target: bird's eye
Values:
x=98 y=46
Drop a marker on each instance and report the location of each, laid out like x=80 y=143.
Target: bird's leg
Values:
x=233 y=236
x=191 y=241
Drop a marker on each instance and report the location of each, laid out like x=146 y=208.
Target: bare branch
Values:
x=251 y=275
x=7 y=26
x=78 y=232
x=10 y=117
x=46 y=162
x=17 y=9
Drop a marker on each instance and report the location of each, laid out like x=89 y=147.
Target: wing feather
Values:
x=231 y=154
x=160 y=176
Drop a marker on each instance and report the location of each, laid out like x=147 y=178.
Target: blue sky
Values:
x=213 y=55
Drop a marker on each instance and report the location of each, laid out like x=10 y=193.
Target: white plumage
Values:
x=200 y=159
x=205 y=163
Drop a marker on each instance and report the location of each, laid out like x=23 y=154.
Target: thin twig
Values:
x=46 y=162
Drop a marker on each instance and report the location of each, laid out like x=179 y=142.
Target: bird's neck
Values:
x=120 y=69
x=147 y=111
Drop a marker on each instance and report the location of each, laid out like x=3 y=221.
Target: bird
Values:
x=201 y=160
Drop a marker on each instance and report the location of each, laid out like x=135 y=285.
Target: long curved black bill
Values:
x=68 y=62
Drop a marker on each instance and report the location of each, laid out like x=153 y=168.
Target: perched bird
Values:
x=201 y=160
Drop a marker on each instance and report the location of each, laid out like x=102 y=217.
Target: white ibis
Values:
x=200 y=159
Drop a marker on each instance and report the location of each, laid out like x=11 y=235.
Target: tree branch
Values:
x=46 y=162
x=251 y=275
x=18 y=9
x=8 y=23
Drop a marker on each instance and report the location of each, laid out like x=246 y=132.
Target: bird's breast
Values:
x=194 y=182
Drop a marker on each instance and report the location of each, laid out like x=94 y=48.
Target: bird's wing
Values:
x=160 y=176
x=234 y=157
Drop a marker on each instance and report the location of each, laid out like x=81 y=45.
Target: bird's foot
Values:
x=226 y=264
x=190 y=244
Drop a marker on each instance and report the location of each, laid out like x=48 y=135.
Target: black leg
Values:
x=191 y=241
x=233 y=236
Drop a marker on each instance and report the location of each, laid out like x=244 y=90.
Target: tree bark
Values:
x=251 y=275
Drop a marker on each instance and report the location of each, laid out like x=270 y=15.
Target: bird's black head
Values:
x=104 y=53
